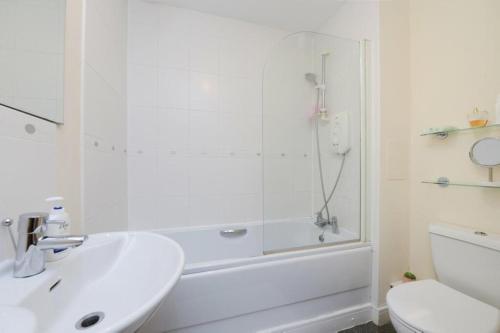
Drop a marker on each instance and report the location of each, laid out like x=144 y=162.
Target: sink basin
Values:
x=112 y=283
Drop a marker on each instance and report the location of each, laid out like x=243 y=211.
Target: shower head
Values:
x=311 y=77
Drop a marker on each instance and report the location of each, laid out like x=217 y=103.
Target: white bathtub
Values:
x=228 y=285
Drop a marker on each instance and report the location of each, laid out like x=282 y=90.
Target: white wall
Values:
x=394 y=150
x=104 y=116
x=454 y=67
x=194 y=129
x=27 y=170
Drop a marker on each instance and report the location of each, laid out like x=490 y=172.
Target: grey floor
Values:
x=370 y=328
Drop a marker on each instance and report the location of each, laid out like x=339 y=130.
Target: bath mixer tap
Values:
x=322 y=222
x=32 y=242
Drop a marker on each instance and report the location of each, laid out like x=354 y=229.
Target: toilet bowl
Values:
x=466 y=299
x=430 y=306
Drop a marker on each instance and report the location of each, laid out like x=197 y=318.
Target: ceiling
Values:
x=292 y=15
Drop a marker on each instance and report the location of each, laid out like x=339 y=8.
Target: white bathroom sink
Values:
x=123 y=277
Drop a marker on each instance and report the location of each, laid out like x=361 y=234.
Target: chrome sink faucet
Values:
x=32 y=242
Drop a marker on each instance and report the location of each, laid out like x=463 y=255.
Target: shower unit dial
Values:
x=340 y=133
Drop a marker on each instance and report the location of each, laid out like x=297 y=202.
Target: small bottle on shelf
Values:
x=478 y=118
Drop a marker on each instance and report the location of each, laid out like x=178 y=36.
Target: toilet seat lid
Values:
x=430 y=306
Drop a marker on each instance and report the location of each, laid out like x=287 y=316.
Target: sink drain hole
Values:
x=90 y=320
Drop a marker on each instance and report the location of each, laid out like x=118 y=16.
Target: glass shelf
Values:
x=444 y=133
x=445 y=182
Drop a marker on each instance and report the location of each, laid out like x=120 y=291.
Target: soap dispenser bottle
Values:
x=57 y=225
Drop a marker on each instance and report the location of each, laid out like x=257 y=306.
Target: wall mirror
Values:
x=486 y=152
x=32 y=57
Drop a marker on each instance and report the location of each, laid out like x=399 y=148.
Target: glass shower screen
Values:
x=312 y=142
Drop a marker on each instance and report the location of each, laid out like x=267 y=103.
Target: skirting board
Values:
x=332 y=322
x=380 y=315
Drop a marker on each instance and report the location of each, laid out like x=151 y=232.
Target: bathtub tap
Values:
x=322 y=222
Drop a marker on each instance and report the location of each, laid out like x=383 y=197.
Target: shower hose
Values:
x=326 y=199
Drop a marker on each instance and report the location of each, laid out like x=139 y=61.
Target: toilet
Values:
x=466 y=299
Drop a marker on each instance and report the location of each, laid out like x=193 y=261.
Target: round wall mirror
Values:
x=486 y=152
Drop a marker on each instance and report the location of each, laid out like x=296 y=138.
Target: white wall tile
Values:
x=13 y=125
x=173 y=130
x=174 y=37
x=301 y=204
x=277 y=206
x=143 y=212
x=143 y=45
x=204 y=54
x=143 y=13
x=145 y=169
x=302 y=175
x=106 y=41
x=242 y=208
x=111 y=218
x=241 y=176
x=105 y=113
x=242 y=57
x=101 y=103
x=173 y=49
x=142 y=85
x=240 y=95
x=206 y=176
x=255 y=207
x=206 y=209
x=234 y=58
x=173 y=211
x=278 y=174
x=143 y=127
x=237 y=208
x=173 y=175
x=204 y=92
x=173 y=88
x=209 y=104
x=239 y=133
x=28 y=169
x=207 y=24
x=175 y=19
x=203 y=132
